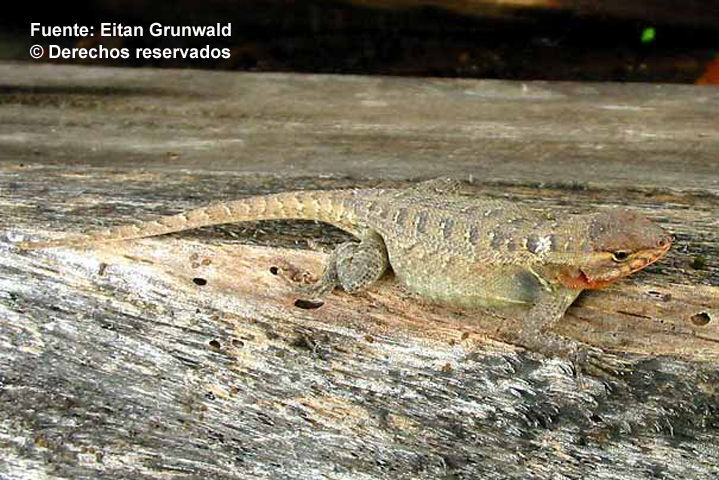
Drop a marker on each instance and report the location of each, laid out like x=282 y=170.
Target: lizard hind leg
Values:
x=352 y=266
x=359 y=265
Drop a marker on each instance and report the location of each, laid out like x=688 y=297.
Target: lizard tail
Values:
x=325 y=206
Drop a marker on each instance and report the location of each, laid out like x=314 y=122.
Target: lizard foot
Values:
x=303 y=282
x=585 y=360
x=314 y=290
x=595 y=362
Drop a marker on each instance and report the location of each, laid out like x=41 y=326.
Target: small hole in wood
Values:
x=664 y=297
x=237 y=343
x=274 y=270
x=199 y=281
x=215 y=344
x=699 y=262
x=308 y=304
x=701 y=319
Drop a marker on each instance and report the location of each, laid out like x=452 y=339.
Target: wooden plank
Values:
x=309 y=125
x=186 y=355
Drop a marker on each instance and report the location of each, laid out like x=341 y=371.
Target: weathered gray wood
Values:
x=115 y=362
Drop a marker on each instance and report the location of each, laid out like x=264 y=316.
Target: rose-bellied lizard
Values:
x=452 y=249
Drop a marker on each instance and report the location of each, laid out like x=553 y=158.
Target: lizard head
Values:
x=620 y=242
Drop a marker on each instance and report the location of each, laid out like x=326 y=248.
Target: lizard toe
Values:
x=590 y=361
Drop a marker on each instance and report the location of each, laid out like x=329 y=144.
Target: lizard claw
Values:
x=312 y=290
x=595 y=362
x=302 y=281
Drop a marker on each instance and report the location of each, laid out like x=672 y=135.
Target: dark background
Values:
x=540 y=39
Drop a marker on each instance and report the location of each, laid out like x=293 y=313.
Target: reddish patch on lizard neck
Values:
x=578 y=280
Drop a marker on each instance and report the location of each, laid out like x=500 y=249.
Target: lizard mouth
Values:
x=640 y=260
x=646 y=257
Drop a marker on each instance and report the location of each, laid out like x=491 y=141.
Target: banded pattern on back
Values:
x=450 y=224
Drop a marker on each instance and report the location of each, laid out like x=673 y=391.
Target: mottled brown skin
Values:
x=451 y=249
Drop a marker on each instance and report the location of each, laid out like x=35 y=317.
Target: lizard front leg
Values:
x=352 y=266
x=549 y=308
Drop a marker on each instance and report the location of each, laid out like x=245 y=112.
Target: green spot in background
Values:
x=648 y=35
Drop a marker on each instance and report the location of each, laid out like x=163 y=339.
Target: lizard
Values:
x=452 y=249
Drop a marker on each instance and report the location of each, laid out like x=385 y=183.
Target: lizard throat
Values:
x=580 y=281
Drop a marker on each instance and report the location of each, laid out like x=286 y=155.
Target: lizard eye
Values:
x=620 y=255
